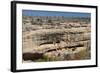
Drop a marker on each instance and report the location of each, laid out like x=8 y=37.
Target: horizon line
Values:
x=54 y=13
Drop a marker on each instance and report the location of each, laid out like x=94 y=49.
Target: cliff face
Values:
x=56 y=38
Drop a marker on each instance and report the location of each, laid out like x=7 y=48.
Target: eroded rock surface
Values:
x=50 y=39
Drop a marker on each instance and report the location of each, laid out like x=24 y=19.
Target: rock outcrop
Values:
x=56 y=40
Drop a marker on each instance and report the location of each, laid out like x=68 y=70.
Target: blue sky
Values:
x=54 y=13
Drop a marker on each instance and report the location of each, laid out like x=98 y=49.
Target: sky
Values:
x=54 y=13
